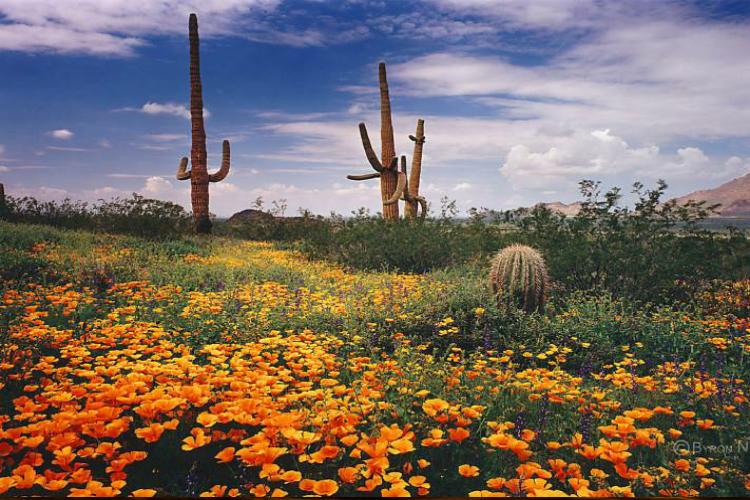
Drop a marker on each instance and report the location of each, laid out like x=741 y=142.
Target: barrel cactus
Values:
x=519 y=278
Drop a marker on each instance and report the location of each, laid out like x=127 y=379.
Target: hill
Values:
x=734 y=197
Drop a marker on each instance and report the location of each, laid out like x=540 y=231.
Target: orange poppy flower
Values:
x=306 y=485
x=458 y=434
x=291 y=476
x=399 y=446
x=326 y=487
x=496 y=483
x=226 y=455
x=395 y=491
x=197 y=440
x=150 y=434
x=468 y=470
x=682 y=465
x=348 y=474
x=145 y=492
x=434 y=406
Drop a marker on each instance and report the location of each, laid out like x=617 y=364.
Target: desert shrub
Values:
x=135 y=215
x=271 y=228
x=372 y=243
x=655 y=251
x=141 y=216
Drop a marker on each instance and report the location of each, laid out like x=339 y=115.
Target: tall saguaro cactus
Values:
x=411 y=196
x=198 y=174
x=3 y=206
x=385 y=168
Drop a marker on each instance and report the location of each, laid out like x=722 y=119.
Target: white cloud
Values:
x=4 y=169
x=538 y=13
x=650 y=81
x=166 y=108
x=157 y=185
x=43 y=193
x=63 y=39
x=112 y=27
x=67 y=149
x=105 y=193
x=129 y=176
x=155 y=108
x=61 y=133
x=600 y=155
x=167 y=137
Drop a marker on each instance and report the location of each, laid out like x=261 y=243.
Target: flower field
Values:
x=221 y=367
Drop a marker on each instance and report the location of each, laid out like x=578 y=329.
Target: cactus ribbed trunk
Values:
x=389 y=177
x=198 y=155
x=3 y=206
x=410 y=209
x=198 y=175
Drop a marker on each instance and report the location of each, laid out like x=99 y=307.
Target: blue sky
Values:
x=521 y=99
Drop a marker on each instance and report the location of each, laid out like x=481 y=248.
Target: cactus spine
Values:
x=392 y=185
x=198 y=175
x=518 y=277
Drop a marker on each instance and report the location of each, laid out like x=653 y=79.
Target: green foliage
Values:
x=136 y=215
x=372 y=243
x=651 y=252
x=272 y=228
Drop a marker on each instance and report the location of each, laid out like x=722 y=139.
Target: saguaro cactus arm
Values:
x=224 y=170
x=183 y=173
x=371 y=157
x=363 y=177
x=402 y=185
x=422 y=203
x=370 y=153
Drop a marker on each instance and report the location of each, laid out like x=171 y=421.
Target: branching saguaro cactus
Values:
x=198 y=174
x=519 y=278
x=385 y=167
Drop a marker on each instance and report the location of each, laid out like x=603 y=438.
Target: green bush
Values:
x=414 y=246
x=135 y=215
x=652 y=252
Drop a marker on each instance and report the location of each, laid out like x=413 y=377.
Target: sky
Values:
x=521 y=99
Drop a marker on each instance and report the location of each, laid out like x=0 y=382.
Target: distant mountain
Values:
x=571 y=209
x=250 y=215
x=734 y=197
